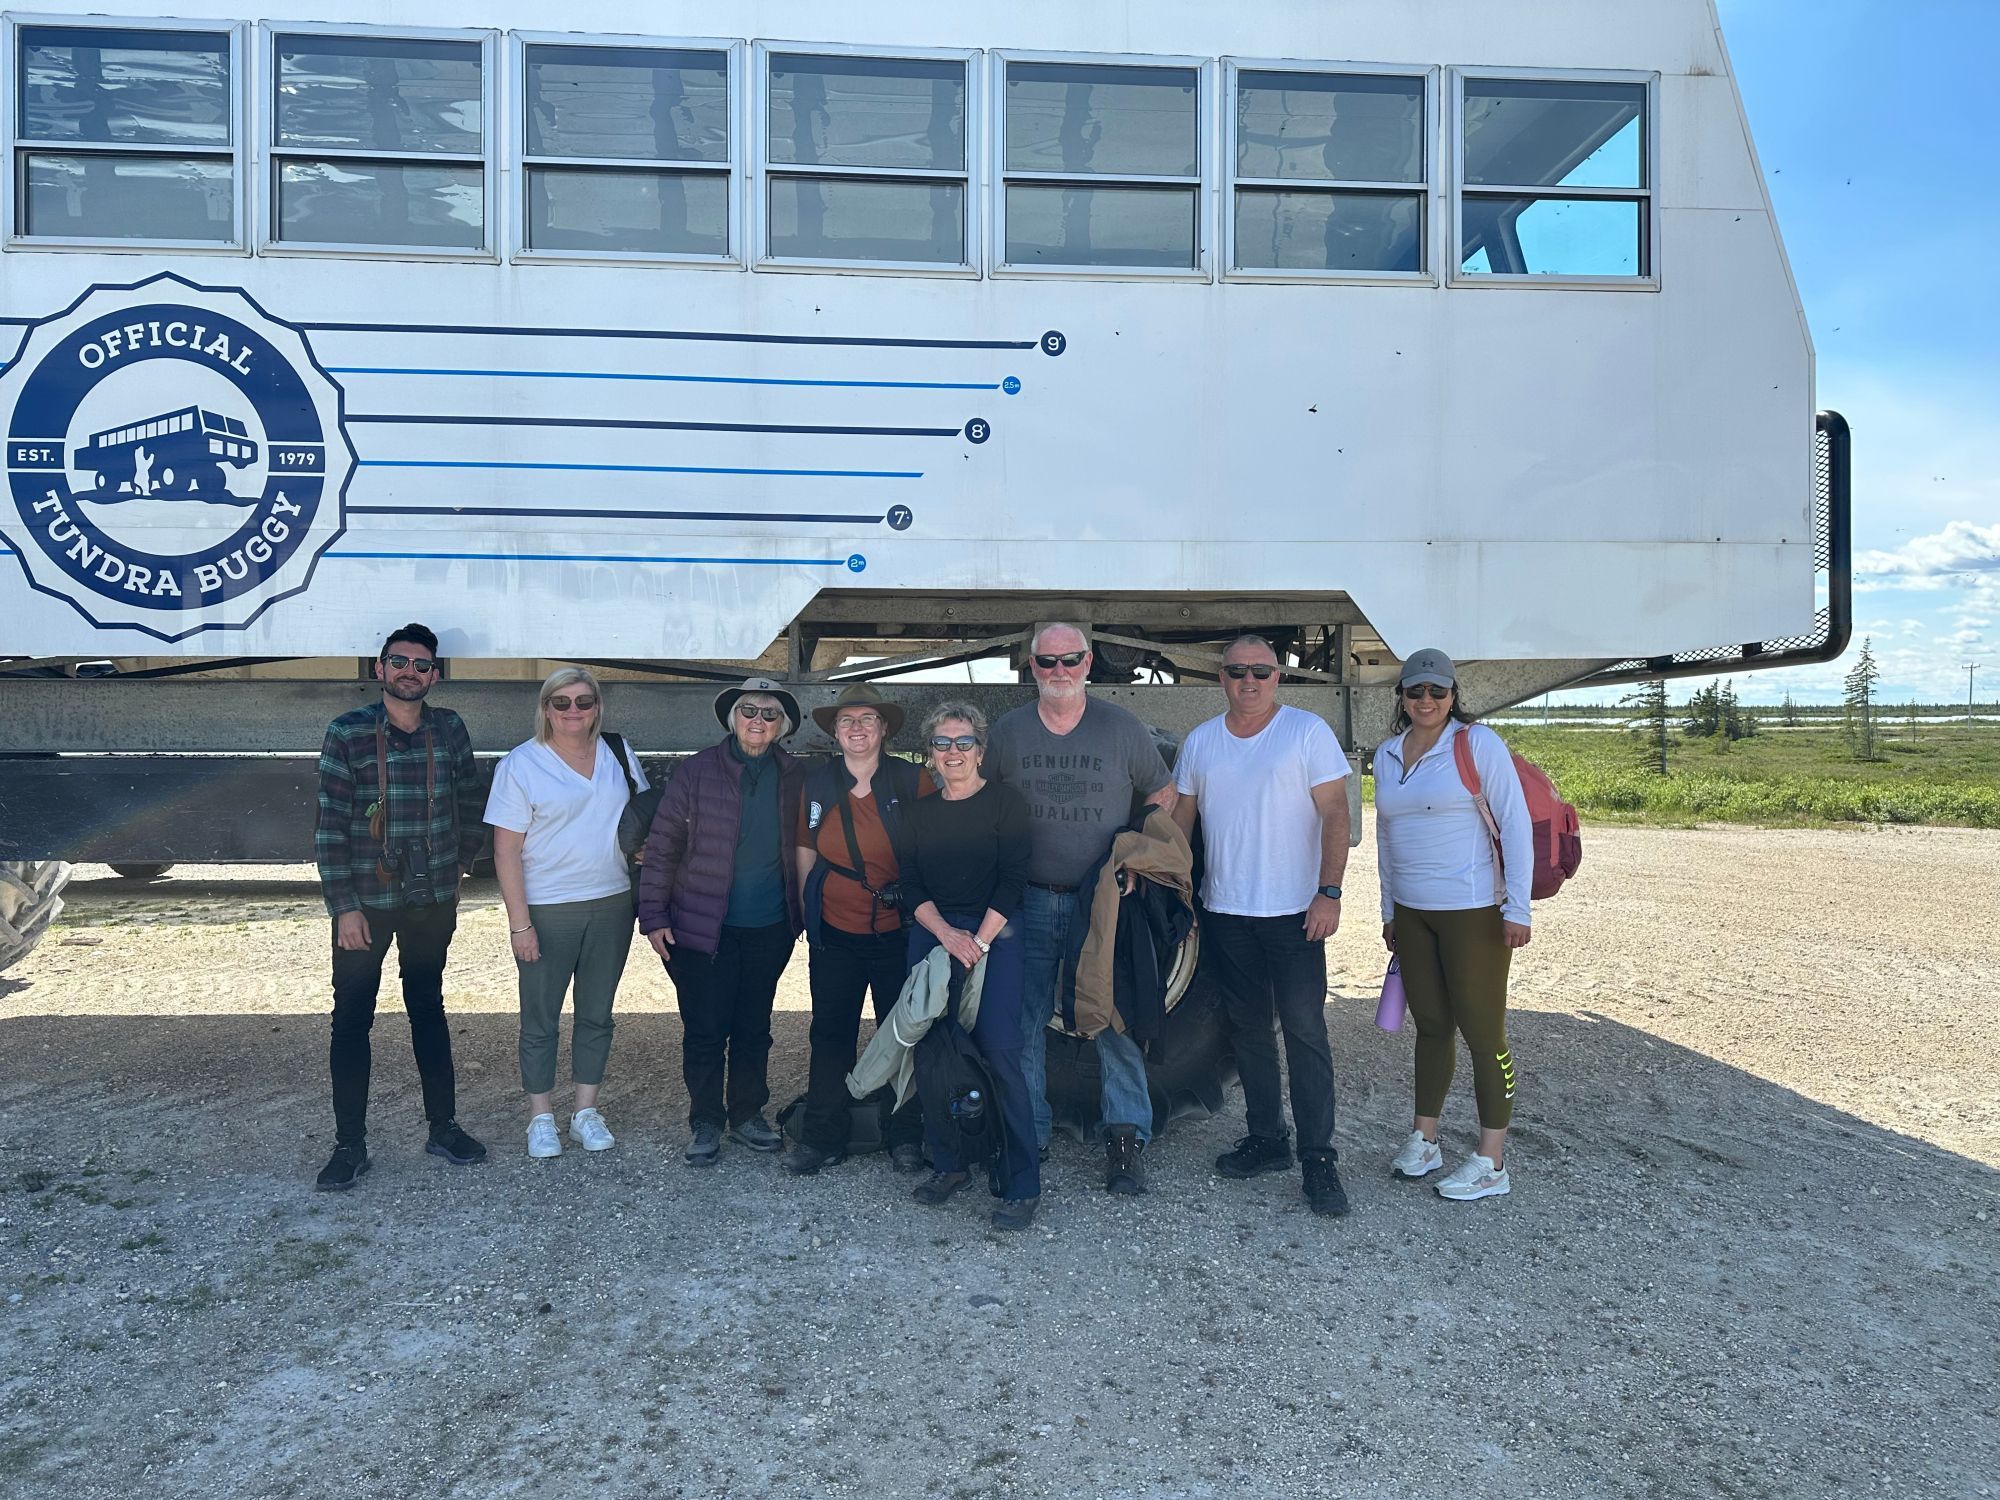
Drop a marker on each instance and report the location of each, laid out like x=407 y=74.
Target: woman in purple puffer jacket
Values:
x=719 y=902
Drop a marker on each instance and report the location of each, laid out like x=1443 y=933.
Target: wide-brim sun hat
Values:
x=725 y=701
x=862 y=695
x=1429 y=665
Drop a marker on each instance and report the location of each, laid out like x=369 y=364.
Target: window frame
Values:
x=272 y=156
x=1647 y=197
x=1206 y=71
x=520 y=161
x=241 y=158
x=1430 y=191
x=756 y=186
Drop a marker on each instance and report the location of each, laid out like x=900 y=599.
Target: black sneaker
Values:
x=346 y=1164
x=706 y=1146
x=1255 y=1155
x=1015 y=1213
x=1123 y=1173
x=1324 y=1194
x=938 y=1187
x=454 y=1145
x=802 y=1160
x=756 y=1133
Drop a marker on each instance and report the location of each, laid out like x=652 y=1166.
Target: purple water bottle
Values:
x=1389 y=1013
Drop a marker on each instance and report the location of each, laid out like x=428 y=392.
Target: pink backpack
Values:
x=1558 y=836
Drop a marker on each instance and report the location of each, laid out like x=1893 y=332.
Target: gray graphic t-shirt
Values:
x=1079 y=785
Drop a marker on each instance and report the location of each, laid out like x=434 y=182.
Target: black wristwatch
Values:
x=1331 y=892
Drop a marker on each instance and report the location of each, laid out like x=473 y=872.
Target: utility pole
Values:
x=1971 y=669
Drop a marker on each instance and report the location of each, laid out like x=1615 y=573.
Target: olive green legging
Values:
x=1454 y=967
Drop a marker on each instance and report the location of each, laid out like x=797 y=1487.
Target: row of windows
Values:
x=626 y=150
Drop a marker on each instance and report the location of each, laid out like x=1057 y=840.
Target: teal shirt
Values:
x=757 y=888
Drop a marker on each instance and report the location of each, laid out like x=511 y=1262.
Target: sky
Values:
x=1867 y=120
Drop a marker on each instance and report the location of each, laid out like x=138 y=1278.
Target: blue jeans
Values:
x=1049 y=928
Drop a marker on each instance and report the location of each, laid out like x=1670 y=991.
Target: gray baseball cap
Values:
x=1429 y=665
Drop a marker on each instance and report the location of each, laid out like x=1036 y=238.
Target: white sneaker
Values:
x=588 y=1130
x=542 y=1137
x=1477 y=1178
x=1418 y=1158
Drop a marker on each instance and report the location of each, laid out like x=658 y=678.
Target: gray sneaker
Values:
x=706 y=1145
x=757 y=1134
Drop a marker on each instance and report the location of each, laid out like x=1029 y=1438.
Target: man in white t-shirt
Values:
x=1269 y=784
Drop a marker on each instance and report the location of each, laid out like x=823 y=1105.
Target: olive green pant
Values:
x=1454 y=967
x=584 y=941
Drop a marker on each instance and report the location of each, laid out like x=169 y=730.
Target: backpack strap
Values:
x=1468 y=773
x=622 y=753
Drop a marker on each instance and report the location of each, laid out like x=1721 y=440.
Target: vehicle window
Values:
x=125 y=134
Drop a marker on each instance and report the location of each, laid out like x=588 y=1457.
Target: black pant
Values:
x=1269 y=970
x=725 y=999
x=423 y=939
x=844 y=966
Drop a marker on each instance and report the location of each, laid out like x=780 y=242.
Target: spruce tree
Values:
x=1861 y=680
x=1647 y=723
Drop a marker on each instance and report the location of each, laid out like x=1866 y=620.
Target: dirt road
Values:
x=1750 y=1250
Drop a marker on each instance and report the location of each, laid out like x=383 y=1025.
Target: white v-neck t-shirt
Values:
x=570 y=851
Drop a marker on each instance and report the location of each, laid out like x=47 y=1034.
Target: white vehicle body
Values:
x=561 y=453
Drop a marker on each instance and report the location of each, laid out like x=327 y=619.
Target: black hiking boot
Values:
x=939 y=1187
x=1324 y=1194
x=454 y=1145
x=346 y=1164
x=1123 y=1173
x=803 y=1160
x=1255 y=1155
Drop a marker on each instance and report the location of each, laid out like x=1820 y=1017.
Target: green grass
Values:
x=1937 y=774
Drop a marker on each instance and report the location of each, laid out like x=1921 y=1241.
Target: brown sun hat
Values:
x=862 y=695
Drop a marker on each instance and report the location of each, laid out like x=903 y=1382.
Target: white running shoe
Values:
x=1477 y=1178
x=542 y=1137
x=588 y=1130
x=1418 y=1158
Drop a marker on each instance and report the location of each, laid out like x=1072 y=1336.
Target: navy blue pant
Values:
x=997 y=1035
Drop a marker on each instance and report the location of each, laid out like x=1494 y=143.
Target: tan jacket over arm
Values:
x=1159 y=851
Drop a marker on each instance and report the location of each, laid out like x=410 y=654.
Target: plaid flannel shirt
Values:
x=452 y=827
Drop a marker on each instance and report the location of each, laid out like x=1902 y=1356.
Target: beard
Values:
x=1062 y=692
x=407 y=693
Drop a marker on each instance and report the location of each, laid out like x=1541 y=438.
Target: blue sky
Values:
x=1878 y=154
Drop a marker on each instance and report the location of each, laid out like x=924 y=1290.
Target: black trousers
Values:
x=725 y=1000
x=1271 y=973
x=846 y=966
x=422 y=935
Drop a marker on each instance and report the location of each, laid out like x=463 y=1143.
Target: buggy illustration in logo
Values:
x=175 y=456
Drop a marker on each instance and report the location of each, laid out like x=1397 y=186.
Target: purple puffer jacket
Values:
x=690 y=855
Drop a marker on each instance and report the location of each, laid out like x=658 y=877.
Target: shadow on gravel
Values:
x=1702 y=1284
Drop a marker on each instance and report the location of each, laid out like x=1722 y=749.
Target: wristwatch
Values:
x=1331 y=892
x=984 y=946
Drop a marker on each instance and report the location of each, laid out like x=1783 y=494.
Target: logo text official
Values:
x=116 y=343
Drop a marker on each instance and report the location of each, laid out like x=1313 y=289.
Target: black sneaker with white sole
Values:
x=1255 y=1155
x=341 y=1169
x=454 y=1145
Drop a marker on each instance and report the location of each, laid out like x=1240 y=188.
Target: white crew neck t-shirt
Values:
x=570 y=852
x=1260 y=830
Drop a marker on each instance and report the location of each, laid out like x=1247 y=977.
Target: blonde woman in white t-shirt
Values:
x=1443 y=915
x=554 y=807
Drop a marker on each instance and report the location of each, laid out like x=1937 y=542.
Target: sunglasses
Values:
x=1067 y=659
x=1426 y=690
x=943 y=742
x=422 y=665
x=584 y=701
x=1240 y=670
x=768 y=713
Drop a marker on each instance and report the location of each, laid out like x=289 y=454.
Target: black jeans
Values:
x=422 y=936
x=1270 y=971
x=844 y=966
x=725 y=999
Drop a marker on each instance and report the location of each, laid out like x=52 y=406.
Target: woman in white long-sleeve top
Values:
x=1452 y=919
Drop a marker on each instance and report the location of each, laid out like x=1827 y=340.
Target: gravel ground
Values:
x=1749 y=1252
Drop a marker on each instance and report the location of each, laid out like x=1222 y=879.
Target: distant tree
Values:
x=1788 y=711
x=1704 y=712
x=1647 y=723
x=1860 y=685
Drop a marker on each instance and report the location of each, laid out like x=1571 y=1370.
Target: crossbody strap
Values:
x=622 y=755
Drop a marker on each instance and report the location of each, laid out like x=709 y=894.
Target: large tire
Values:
x=1197 y=1069
x=144 y=871
x=30 y=899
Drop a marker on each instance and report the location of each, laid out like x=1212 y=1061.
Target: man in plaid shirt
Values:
x=400 y=820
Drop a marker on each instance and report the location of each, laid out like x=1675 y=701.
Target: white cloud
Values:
x=1962 y=547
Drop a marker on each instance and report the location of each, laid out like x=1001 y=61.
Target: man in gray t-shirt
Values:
x=1081 y=765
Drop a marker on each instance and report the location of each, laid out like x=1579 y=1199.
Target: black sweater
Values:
x=966 y=856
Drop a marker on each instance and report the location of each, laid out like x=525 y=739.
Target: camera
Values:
x=408 y=864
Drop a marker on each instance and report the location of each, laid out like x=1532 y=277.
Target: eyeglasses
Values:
x=1240 y=670
x=422 y=665
x=1067 y=659
x=583 y=701
x=769 y=713
x=943 y=742
x=865 y=720
x=1425 y=690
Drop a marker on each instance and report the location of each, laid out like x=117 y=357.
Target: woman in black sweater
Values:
x=964 y=865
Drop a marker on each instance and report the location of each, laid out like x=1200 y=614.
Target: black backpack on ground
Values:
x=957 y=1089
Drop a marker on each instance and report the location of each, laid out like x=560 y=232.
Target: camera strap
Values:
x=378 y=822
x=859 y=873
